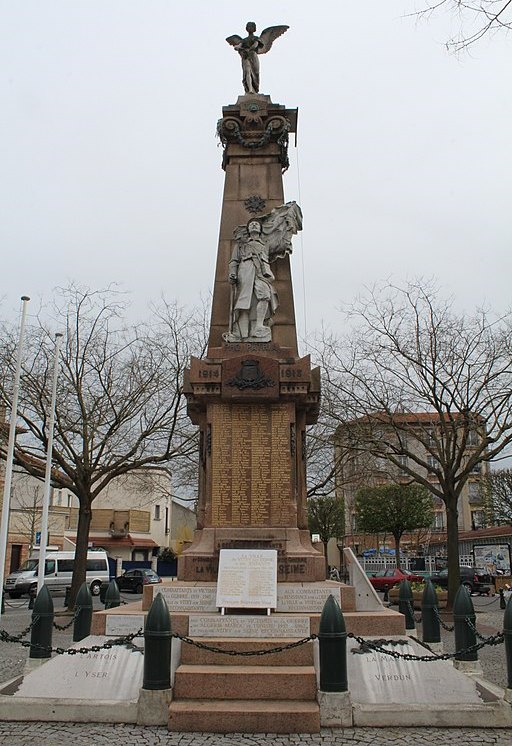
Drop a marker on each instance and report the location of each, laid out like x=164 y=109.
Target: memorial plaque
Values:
x=114 y=674
x=252 y=474
x=247 y=579
x=189 y=598
x=304 y=597
x=376 y=678
x=248 y=626
x=119 y=625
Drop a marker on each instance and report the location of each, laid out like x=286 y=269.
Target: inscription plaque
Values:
x=252 y=473
x=189 y=598
x=304 y=597
x=114 y=674
x=248 y=626
x=118 y=625
x=247 y=579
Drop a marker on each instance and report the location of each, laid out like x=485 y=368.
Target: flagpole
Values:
x=48 y=473
x=10 y=449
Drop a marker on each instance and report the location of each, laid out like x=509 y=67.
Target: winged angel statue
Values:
x=253 y=297
x=249 y=49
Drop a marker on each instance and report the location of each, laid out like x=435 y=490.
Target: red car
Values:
x=392 y=576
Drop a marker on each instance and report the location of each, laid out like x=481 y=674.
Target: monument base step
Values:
x=245 y=682
x=243 y=716
x=301 y=655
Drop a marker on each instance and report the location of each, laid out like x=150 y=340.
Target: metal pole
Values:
x=48 y=473
x=10 y=448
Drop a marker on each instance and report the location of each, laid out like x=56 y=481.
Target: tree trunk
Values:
x=82 y=543
x=452 y=548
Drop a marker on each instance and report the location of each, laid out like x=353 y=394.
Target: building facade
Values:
x=374 y=451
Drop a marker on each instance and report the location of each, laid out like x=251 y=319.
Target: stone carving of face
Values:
x=254 y=226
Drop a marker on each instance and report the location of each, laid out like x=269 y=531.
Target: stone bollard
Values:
x=385 y=598
x=333 y=696
x=332 y=636
x=83 y=613
x=507 y=631
x=429 y=617
x=465 y=637
x=41 y=633
x=157 y=646
x=156 y=692
x=405 y=605
x=112 y=596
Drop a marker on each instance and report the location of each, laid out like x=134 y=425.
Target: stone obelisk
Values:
x=253 y=396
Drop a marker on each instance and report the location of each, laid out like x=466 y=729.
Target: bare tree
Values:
x=476 y=19
x=497 y=489
x=422 y=389
x=120 y=405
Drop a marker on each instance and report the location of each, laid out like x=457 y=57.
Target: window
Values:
x=402 y=460
x=474 y=493
x=66 y=565
x=96 y=565
x=433 y=462
x=477 y=519
x=49 y=567
x=476 y=469
x=157 y=513
x=438 y=524
x=473 y=438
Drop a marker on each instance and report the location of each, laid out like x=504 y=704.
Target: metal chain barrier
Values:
x=63 y=627
x=245 y=653
x=493 y=640
x=365 y=645
x=474 y=629
x=6 y=637
x=411 y=611
x=445 y=626
x=127 y=641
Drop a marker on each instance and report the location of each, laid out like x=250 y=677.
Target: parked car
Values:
x=391 y=576
x=476 y=581
x=58 y=571
x=135 y=580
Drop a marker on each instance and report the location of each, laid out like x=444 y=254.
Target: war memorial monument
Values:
x=251 y=580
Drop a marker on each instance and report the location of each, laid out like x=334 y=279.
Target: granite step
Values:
x=298 y=656
x=243 y=716
x=245 y=682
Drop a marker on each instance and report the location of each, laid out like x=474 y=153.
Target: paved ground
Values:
x=13 y=656
x=76 y=734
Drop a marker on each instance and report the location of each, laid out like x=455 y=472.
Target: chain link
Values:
x=245 y=653
x=447 y=627
x=63 y=627
x=411 y=611
x=6 y=637
x=474 y=629
x=493 y=640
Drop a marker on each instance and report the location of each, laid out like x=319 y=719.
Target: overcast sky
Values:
x=110 y=169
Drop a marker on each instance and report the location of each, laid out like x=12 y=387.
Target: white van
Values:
x=58 y=571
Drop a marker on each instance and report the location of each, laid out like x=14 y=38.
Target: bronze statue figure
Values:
x=249 y=49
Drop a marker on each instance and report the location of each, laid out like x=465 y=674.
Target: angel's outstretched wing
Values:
x=234 y=40
x=268 y=37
